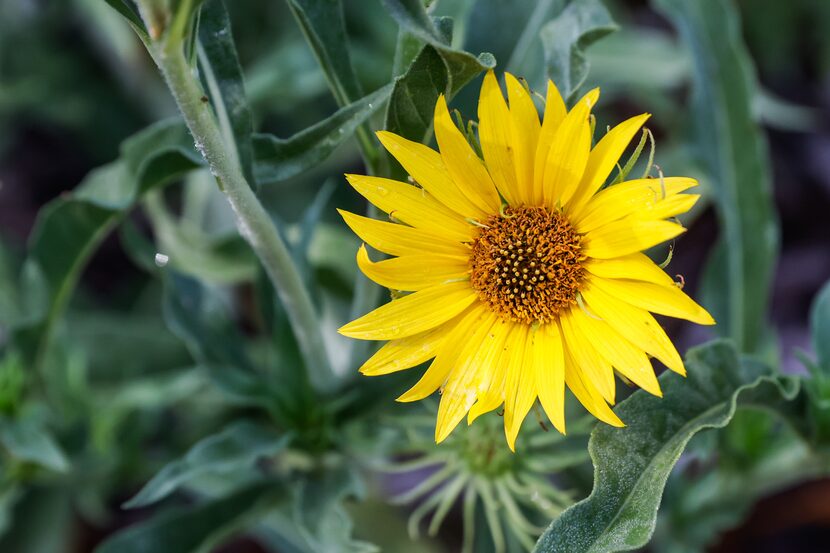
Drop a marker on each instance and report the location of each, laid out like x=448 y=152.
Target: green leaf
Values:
x=734 y=152
x=196 y=528
x=222 y=79
x=27 y=440
x=461 y=66
x=820 y=329
x=278 y=159
x=413 y=101
x=69 y=229
x=565 y=39
x=236 y=448
x=324 y=28
x=631 y=464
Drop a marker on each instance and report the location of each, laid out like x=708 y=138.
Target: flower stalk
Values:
x=253 y=222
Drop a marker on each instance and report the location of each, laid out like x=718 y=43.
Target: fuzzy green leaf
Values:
x=631 y=464
x=236 y=448
x=734 y=152
x=196 y=528
x=278 y=159
x=461 y=66
x=412 y=104
x=565 y=39
x=222 y=80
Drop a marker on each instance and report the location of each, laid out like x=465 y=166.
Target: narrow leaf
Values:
x=631 y=464
x=278 y=159
x=222 y=77
x=565 y=39
x=734 y=152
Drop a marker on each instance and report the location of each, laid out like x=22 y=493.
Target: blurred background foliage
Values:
x=162 y=405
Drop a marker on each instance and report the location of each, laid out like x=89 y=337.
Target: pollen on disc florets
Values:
x=526 y=264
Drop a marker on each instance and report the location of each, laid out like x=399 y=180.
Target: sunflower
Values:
x=524 y=274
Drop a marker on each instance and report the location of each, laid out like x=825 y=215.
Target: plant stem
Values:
x=253 y=222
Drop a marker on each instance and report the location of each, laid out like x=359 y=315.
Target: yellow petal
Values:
x=603 y=158
x=514 y=364
x=627 y=359
x=462 y=163
x=555 y=112
x=591 y=364
x=412 y=205
x=396 y=239
x=521 y=391
x=568 y=153
x=413 y=313
x=670 y=207
x=635 y=266
x=526 y=129
x=549 y=362
x=633 y=323
x=491 y=385
x=448 y=353
x=627 y=236
x=427 y=168
x=414 y=272
x=460 y=392
x=663 y=300
x=398 y=355
x=645 y=198
x=585 y=391
x=496 y=135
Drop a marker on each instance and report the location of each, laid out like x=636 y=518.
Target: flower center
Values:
x=525 y=264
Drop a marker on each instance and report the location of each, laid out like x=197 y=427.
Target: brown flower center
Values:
x=525 y=264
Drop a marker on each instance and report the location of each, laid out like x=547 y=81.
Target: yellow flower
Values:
x=526 y=274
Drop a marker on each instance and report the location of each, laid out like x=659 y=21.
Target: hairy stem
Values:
x=253 y=222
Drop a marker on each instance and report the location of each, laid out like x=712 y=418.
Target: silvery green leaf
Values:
x=632 y=464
